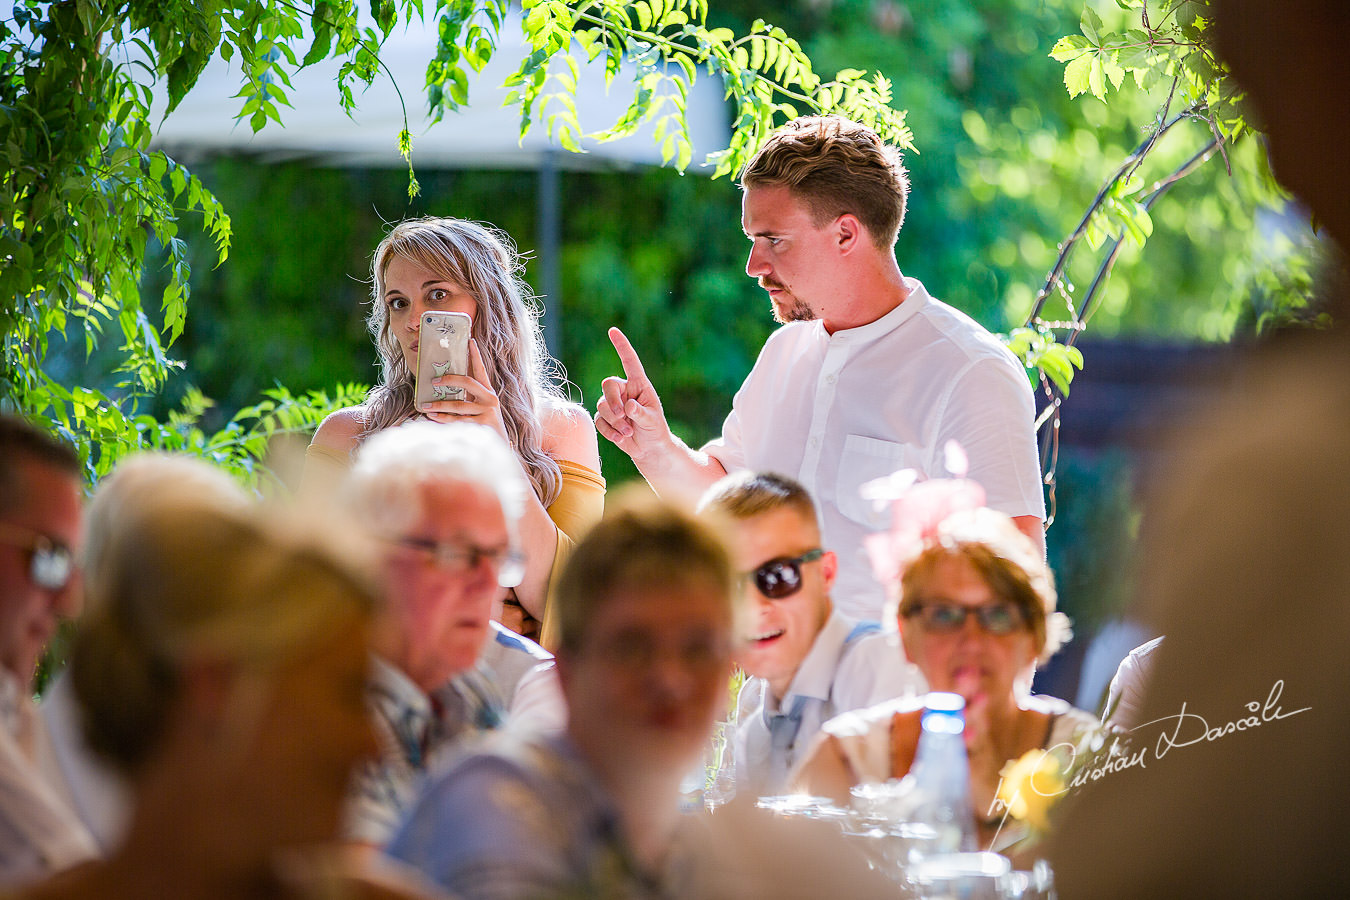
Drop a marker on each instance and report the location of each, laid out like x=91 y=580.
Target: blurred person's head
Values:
x=41 y=492
x=786 y=574
x=140 y=479
x=455 y=265
x=646 y=615
x=443 y=501
x=1289 y=56
x=977 y=607
x=223 y=666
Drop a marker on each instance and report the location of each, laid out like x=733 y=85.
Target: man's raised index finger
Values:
x=632 y=366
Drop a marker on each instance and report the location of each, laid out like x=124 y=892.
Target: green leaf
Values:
x=1076 y=75
x=1096 y=81
x=1113 y=71
x=459 y=87
x=1069 y=48
x=1091 y=24
x=685 y=155
x=756 y=52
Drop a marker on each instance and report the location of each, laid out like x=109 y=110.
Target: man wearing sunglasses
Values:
x=806 y=661
x=40 y=527
x=444 y=502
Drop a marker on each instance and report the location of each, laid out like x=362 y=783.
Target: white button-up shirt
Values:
x=835 y=411
x=835 y=676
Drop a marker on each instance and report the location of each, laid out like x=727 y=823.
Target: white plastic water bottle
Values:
x=941 y=773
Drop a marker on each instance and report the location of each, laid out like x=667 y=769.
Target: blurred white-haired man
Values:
x=444 y=501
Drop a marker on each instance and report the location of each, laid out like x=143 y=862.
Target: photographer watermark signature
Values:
x=1042 y=776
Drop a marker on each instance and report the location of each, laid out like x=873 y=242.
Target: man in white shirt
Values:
x=870 y=374
x=445 y=501
x=40 y=531
x=806 y=661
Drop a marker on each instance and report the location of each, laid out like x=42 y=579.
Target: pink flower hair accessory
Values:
x=918 y=508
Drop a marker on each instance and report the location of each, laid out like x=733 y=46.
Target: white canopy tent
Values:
x=485 y=134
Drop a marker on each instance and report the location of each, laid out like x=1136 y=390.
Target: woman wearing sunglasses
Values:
x=976 y=612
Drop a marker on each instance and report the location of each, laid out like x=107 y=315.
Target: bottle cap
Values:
x=944 y=713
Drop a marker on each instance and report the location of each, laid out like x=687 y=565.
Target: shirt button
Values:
x=831 y=379
x=815 y=442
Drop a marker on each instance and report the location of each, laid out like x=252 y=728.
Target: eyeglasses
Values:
x=946 y=618
x=509 y=564
x=780 y=578
x=50 y=563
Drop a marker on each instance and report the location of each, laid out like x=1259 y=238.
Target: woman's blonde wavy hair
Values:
x=187 y=578
x=484 y=261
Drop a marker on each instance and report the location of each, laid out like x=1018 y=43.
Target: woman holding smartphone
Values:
x=512 y=386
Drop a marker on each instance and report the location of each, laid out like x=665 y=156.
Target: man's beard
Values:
x=796 y=310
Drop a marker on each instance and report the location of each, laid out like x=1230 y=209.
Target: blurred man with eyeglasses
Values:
x=807 y=662
x=41 y=495
x=444 y=501
x=647 y=618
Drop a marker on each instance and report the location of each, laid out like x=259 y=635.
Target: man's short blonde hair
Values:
x=836 y=166
x=744 y=495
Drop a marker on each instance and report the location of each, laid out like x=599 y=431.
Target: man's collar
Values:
x=815 y=676
x=916 y=299
x=392 y=685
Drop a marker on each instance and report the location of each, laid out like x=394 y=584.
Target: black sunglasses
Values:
x=50 y=563
x=946 y=618
x=782 y=577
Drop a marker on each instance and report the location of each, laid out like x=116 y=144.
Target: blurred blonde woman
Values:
x=976 y=612
x=98 y=793
x=221 y=669
x=512 y=387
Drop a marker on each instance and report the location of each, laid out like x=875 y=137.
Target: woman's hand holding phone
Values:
x=480 y=404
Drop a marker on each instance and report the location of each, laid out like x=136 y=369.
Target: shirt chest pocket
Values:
x=865 y=459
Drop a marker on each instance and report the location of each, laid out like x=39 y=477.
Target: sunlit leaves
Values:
x=668 y=45
x=1120 y=216
x=1150 y=41
x=1157 y=42
x=1040 y=352
x=82 y=196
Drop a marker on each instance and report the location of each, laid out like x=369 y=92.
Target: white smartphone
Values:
x=442 y=349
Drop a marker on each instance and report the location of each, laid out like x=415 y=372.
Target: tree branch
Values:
x=1057 y=271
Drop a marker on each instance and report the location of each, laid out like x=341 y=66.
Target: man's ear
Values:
x=849 y=233
x=829 y=569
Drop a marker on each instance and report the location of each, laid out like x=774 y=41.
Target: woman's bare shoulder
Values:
x=569 y=433
x=341 y=430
